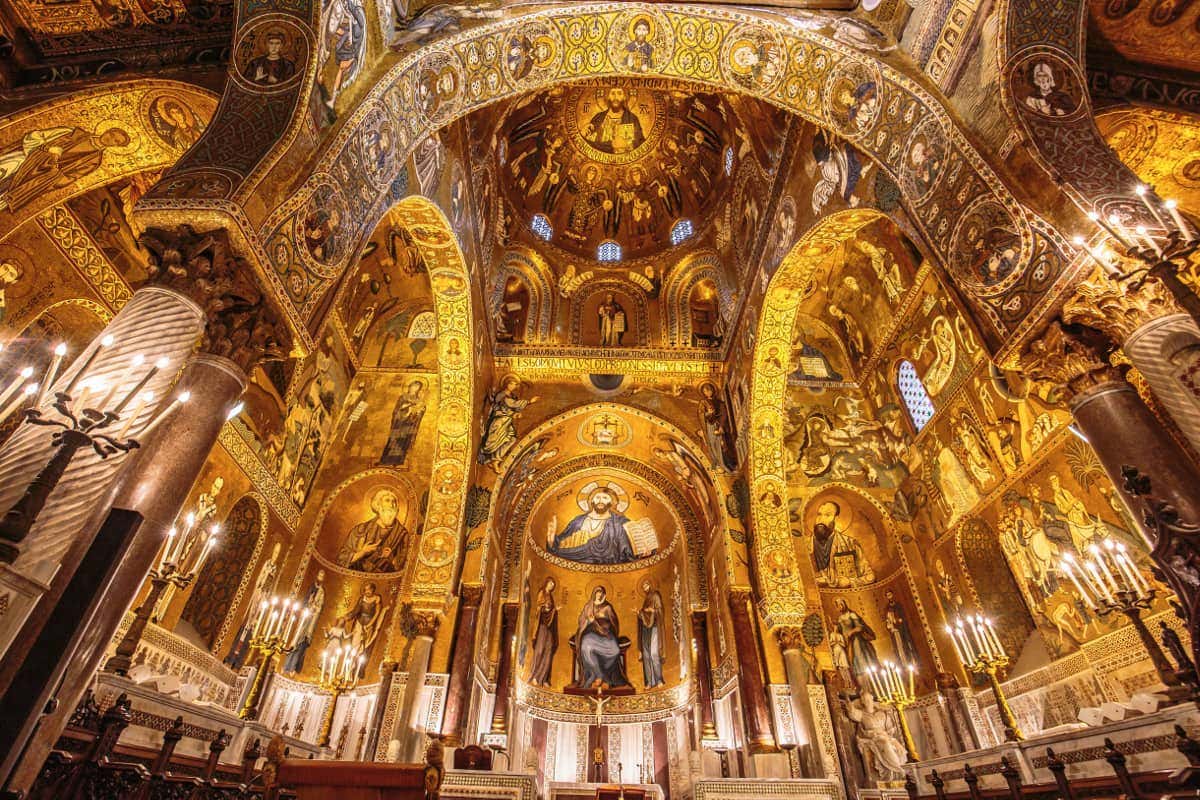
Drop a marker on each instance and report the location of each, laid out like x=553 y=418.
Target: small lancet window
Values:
x=912 y=391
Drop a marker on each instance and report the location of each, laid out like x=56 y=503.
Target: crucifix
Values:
x=596 y=734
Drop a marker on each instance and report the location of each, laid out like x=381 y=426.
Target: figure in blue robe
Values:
x=598 y=662
x=597 y=536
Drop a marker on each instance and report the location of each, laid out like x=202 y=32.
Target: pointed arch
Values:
x=534 y=272
x=454 y=305
x=683 y=277
x=783 y=600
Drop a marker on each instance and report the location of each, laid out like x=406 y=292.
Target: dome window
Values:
x=541 y=227
x=608 y=251
x=681 y=232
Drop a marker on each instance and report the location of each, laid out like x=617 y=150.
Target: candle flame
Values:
x=1171 y=205
x=184 y=397
x=139 y=359
x=1139 y=190
x=31 y=388
x=25 y=373
x=162 y=363
x=107 y=341
x=61 y=349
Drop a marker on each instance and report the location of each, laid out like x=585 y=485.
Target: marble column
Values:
x=1112 y=417
x=458 y=693
x=790 y=641
x=755 y=710
x=708 y=723
x=1159 y=338
x=508 y=629
x=387 y=674
x=407 y=736
x=240 y=327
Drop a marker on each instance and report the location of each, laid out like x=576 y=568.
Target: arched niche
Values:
x=534 y=274
x=216 y=591
x=677 y=291
x=585 y=313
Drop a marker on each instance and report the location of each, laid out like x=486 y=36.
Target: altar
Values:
x=604 y=791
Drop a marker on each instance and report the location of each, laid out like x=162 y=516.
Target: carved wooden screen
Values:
x=218 y=583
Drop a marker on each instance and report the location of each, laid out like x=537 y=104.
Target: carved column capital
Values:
x=242 y=323
x=425 y=623
x=791 y=637
x=1118 y=309
x=472 y=594
x=740 y=596
x=1074 y=357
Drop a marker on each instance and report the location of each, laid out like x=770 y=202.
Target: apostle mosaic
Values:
x=599 y=646
x=49 y=159
x=1043 y=93
x=406 y=421
x=359 y=627
x=602 y=534
x=838 y=558
x=174 y=122
x=639 y=51
x=378 y=543
x=264 y=584
x=895 y=619
x=274 y=66
x=611 y=321
x=313 y=603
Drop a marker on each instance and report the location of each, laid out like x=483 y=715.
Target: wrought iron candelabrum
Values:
x=178 y=565
x=980 y=651
x=275 y=633
x=340 y=670
x=895 y=685
x=1108 y=581
x=1162 y=253
x=83 y=413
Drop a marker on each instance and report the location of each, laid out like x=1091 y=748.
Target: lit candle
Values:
x=324 y=659
x=1119 y=231
x=19 y=400
x=1098 y=558
x=106 y=403
x=292 y=616
x=1070 y=573
x=52 y=372
x=1096 y=582
x=1147 y=240
x=1123 y=554
x=980 y=646
x=296 y=634
x=106 y=342
x=85 y=388
x=271 y=620
x=179 y=400
x=1173 y=210
x=209 y=544
x=143 y=400
x=991 y=630
x=166 y=548
x=138 y=359
x=22 y=376
x=912 y=681
x=1144 y=195
x=957 y=650
x=362 y=659
x=262 y=615
x=972 y=656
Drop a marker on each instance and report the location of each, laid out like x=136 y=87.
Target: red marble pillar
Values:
x=755 y=710
x=708 y=724
x=458 y=693
x=508 y=627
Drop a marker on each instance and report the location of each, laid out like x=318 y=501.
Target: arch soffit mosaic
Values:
x=511 y=546
x=1066 y=143
x=782 y=602
x=453 y=302
x=125 y=106
x=803 y=72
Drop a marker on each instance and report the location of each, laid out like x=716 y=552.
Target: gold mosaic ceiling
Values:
x=617 y=161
